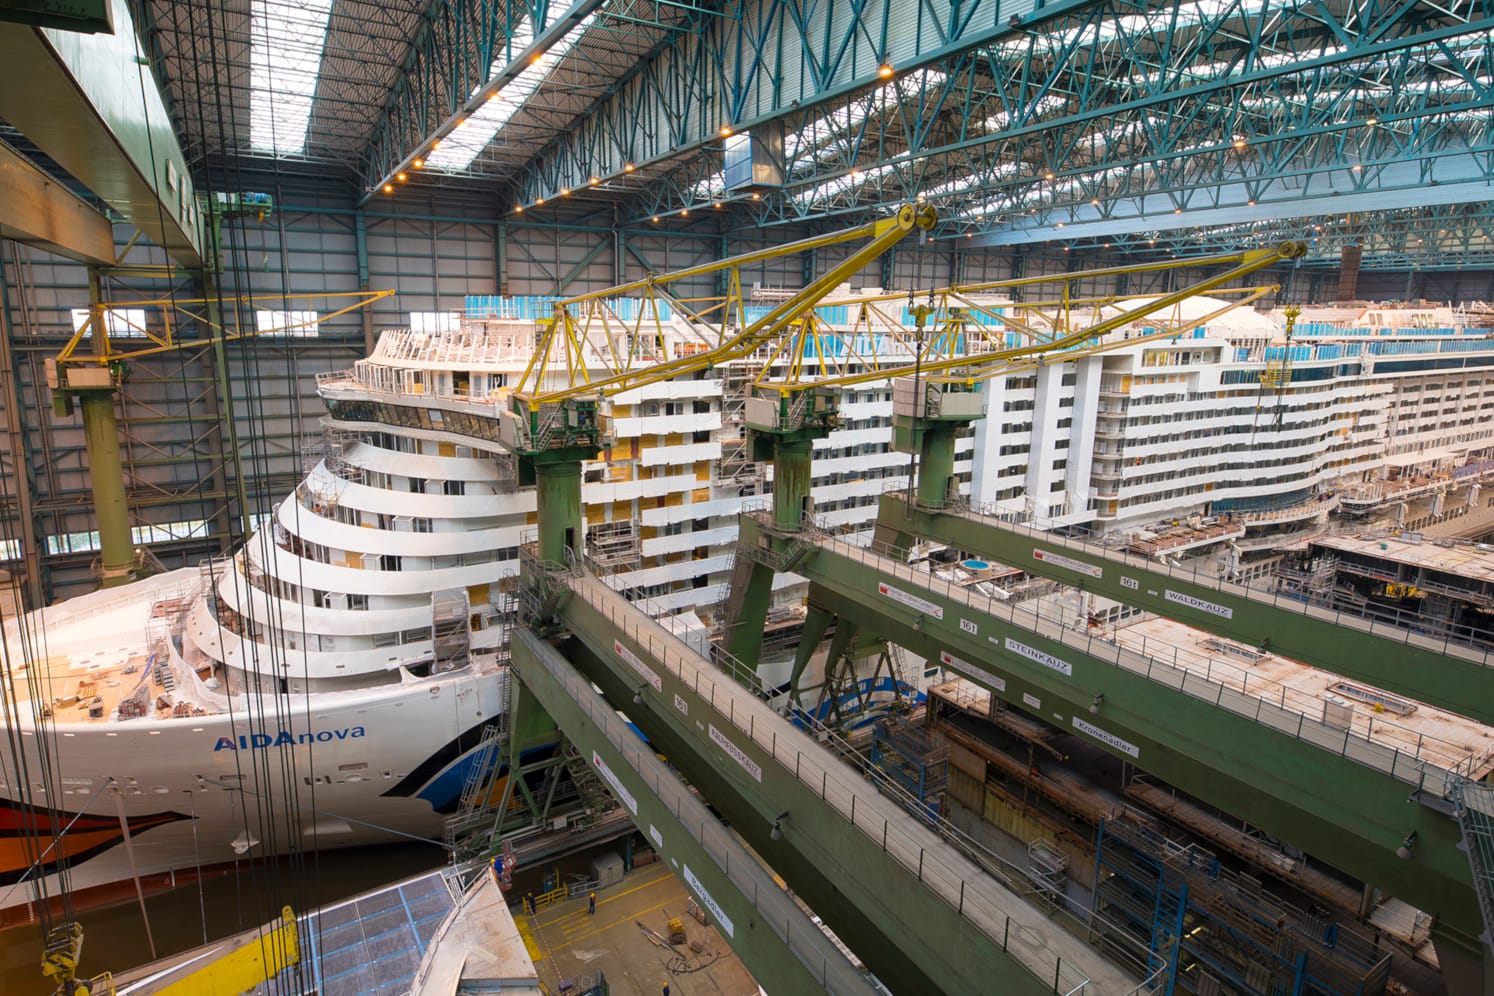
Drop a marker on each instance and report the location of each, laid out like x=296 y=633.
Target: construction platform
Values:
x=627 y=939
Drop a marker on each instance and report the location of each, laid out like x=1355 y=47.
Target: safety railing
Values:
x=1460 y=642
x=829 y=968
x=1405 y=754
x=739 y=699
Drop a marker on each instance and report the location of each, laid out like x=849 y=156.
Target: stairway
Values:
x=596 y=800
x=1474 y=807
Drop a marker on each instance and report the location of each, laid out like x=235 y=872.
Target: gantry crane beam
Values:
x=1248 y=748
x=1456 y=678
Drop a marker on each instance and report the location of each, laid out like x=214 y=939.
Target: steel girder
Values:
x=200 y=50
x=467 y=50
x=1097 y=117
x=1438 y=237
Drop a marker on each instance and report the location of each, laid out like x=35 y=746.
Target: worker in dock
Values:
x=591 y=904
x=529 y=903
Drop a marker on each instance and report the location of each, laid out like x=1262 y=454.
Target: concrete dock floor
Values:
x=566 y=942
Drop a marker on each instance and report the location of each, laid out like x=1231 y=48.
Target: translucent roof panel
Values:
x=459 y=148
x=286 y=41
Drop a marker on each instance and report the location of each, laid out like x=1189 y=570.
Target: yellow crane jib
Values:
x=559 y=367
x=116 y=333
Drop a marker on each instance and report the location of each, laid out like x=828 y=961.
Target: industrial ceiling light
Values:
x=638 y=695
x=885 y=70
x=595 y=180
x=757 y=197
x=419 y=164
x=565 y=191
x=1099 y=699
x=1048 y=175
x=388 y=188
x=685 y=213
x=628 y=168
x=1371 y=120
x=777 y=832
x=519 y=209
x=401 y=177
x=726 y=131
x=539 y=200
x=656 y=219
x=1239 y=141
x=1407 y=850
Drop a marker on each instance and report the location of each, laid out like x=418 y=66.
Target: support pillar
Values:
x=1467 y=967
x=816 y=621
x=229 y=445
x=558 y=497
x=20 y=454
x=360 y=241
x=792 y=481
x=936 y=450
x=106 y=474
x=744 y=638
x=105 y=469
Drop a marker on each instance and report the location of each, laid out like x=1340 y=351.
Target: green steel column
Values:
x=105 y=470
x=106 y=474
x=935 y=462
x=745 y=641
x=816 y=622
x=558 y=496
x=791 y=481
x=232 y=452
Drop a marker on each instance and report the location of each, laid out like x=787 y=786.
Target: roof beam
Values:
x=447 y=74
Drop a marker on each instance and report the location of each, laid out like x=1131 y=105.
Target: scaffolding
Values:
x=610 y=545
x=451 y=629
x=915 y=758
x=1212 y=931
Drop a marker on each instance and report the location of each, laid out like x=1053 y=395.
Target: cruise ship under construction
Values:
x=944 y=557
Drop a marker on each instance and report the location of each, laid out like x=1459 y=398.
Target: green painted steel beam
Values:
x=912 y=939
x=779 y=944
x=67 y=15
x=1460 y=680
x=1313 y=786
x=91 y=104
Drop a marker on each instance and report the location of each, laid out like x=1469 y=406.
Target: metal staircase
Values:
x=596 y=800
x=1473 y=804
x=473 y=812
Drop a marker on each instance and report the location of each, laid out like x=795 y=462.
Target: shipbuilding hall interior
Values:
x=965 y=497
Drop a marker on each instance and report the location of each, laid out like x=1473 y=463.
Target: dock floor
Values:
x=566 y=942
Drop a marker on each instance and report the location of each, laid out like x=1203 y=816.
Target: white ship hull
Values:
x=334 y=769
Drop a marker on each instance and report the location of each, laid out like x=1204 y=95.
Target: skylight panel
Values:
x=459 y=148
x=285 y=56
